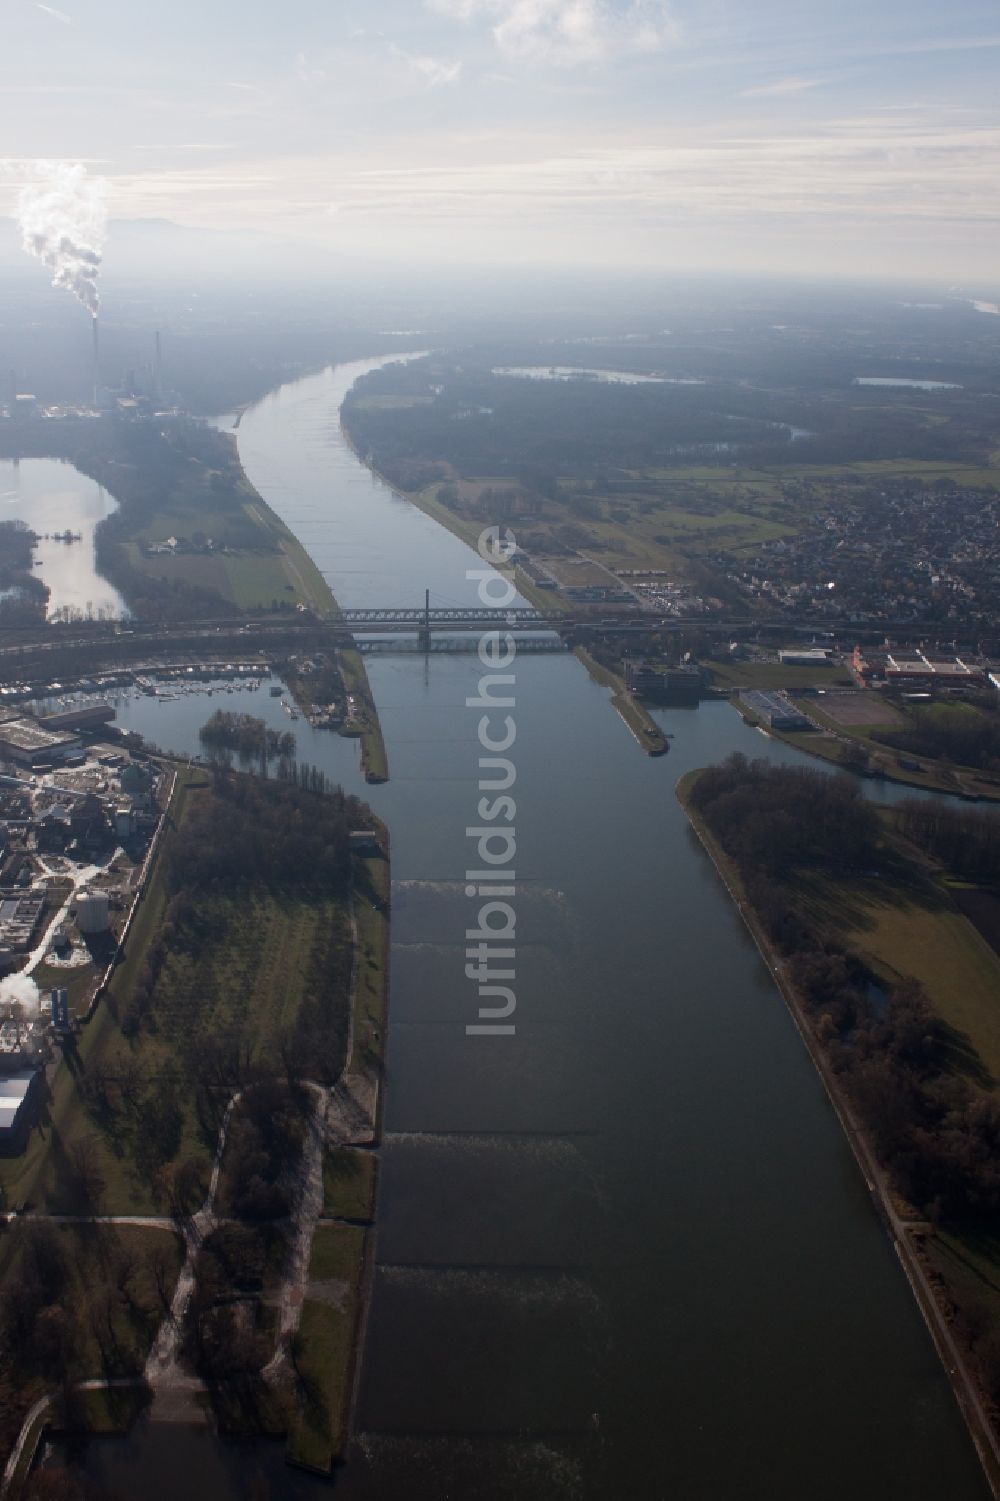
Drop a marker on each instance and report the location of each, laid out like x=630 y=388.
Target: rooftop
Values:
x=29 y=735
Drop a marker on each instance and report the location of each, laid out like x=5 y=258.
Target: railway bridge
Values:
x=378 y=620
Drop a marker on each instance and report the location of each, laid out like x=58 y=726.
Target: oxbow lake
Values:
x=51 y=496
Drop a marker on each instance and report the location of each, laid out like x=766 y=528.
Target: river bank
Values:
x=640 y=722
x=905 y=1229
x=466 y=532
x=318 y=596
x=545 y=1291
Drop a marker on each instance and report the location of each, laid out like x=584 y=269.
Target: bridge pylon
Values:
x=424 y=634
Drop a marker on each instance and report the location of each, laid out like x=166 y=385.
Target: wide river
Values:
x=626 y=1253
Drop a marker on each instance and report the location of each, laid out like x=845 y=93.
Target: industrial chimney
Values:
x=158 y=371
x=97 y=366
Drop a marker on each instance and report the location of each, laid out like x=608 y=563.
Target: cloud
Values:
x=567 y=33
x=433 y=71
x=57 y=15
x=916 y=171
x=782 y=87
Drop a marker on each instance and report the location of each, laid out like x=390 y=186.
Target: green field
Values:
x=324 y=1346
x=264 y=564
x=776 y=675
x=903 y=922
x=349 y=1179
x=371 y=991
x=954 y=964
x=924 y=772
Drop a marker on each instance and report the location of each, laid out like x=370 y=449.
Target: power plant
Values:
x=138 y=391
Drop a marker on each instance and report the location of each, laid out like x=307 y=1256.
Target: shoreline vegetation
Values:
x=862 y=1048
x=232 y=1145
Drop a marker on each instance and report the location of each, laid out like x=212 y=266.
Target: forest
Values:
x=278 y=833
x=966 y=841
x=459 y=412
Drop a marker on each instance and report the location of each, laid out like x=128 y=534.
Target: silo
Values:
x=93 y=912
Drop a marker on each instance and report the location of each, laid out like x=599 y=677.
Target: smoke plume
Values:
x=22 y=990
x=63 y=218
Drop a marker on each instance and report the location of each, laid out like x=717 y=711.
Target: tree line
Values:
x=777 y=818
x=952 y=732
x=248 y=736
x=278 y=833
x=966 y=841
x=23 y=596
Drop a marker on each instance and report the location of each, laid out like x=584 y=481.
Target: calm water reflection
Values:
x=50 y=497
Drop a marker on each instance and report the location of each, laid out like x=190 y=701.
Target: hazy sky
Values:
x=827 y=135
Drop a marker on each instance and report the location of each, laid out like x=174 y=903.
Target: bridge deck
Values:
x=457 y=617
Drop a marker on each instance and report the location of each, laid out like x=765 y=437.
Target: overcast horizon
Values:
x=776 y=137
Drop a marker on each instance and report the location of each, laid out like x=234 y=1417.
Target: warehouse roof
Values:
x=29 y=735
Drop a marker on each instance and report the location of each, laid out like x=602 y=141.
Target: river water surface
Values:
x=626 y=1253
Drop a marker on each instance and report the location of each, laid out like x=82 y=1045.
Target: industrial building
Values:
x=19 y=1047
x=83 y=717
x=909 y=668
x=799 y=657
x=25 y=742
x=680 y=684
x=59 y=1009
x=777 y=711
x=19 y=917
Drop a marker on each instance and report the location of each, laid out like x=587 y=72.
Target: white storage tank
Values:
x=93 y=912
